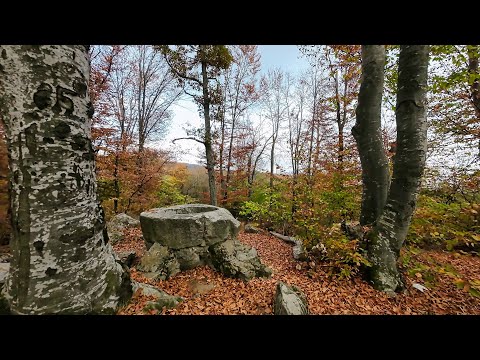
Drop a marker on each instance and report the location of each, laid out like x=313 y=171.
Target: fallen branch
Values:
x=287 y=239
x=298 y=249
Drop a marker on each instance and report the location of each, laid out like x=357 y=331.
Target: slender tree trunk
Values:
x=223 y=184
x=339 y=123
x=208 y=134
x=230 y=150
x=341 y=146
x=388 y=235
x=473 y=57
x=368 y=134
x=272 y=163
x=116 y=185
x=249 y=172
x=62 y=261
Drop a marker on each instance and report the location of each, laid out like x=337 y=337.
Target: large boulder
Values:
x=183 y=226
x=289 y=300
x=186 y=236
x=118 y=224
x=234 y=259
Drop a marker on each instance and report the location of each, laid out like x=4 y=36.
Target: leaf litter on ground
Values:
x=206 y=291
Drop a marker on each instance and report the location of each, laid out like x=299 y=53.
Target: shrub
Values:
x=449 y=225
x=345 y=257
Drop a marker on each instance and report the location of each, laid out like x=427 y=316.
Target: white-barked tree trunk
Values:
x=62 y=261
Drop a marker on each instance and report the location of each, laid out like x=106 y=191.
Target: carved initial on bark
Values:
x=43 y=98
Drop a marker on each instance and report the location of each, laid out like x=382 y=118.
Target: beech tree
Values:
x=368 y=134
x=197 y=65
x=61 y=259
x=388 y=235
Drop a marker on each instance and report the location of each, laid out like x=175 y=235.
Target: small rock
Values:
x=419 y=287
x=289 y=300
x=299 y=252
x=162 y=299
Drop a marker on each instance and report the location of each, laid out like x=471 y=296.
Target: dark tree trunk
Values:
x=62 y=261
x=368 y=134
x=388 y=235
x=473 y=57
x=208 y=134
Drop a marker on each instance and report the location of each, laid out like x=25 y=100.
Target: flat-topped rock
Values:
x=183 y=226
x=186 y=236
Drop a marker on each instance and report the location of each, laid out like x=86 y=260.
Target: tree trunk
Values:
x=229 y=161
x=223 y=184
x=116 y=182
x=388 y=235
x=62 y=261
x=339 y=123
x=368 y=134
x=473 y=56
x=272 y=163
x=208 y=134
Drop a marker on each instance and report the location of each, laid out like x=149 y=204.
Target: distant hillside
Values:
x=190 y=167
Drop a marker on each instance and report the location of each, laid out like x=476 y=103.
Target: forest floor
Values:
x=206 y=291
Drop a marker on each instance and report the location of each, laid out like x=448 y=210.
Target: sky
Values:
x=287 y=57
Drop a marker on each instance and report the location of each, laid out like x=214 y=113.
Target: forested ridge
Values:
x=367 y=161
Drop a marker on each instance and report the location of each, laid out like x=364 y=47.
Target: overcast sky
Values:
x=287 y=57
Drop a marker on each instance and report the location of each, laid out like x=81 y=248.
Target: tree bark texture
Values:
x=388 y=235
x=368 y=134
x=62 y=261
